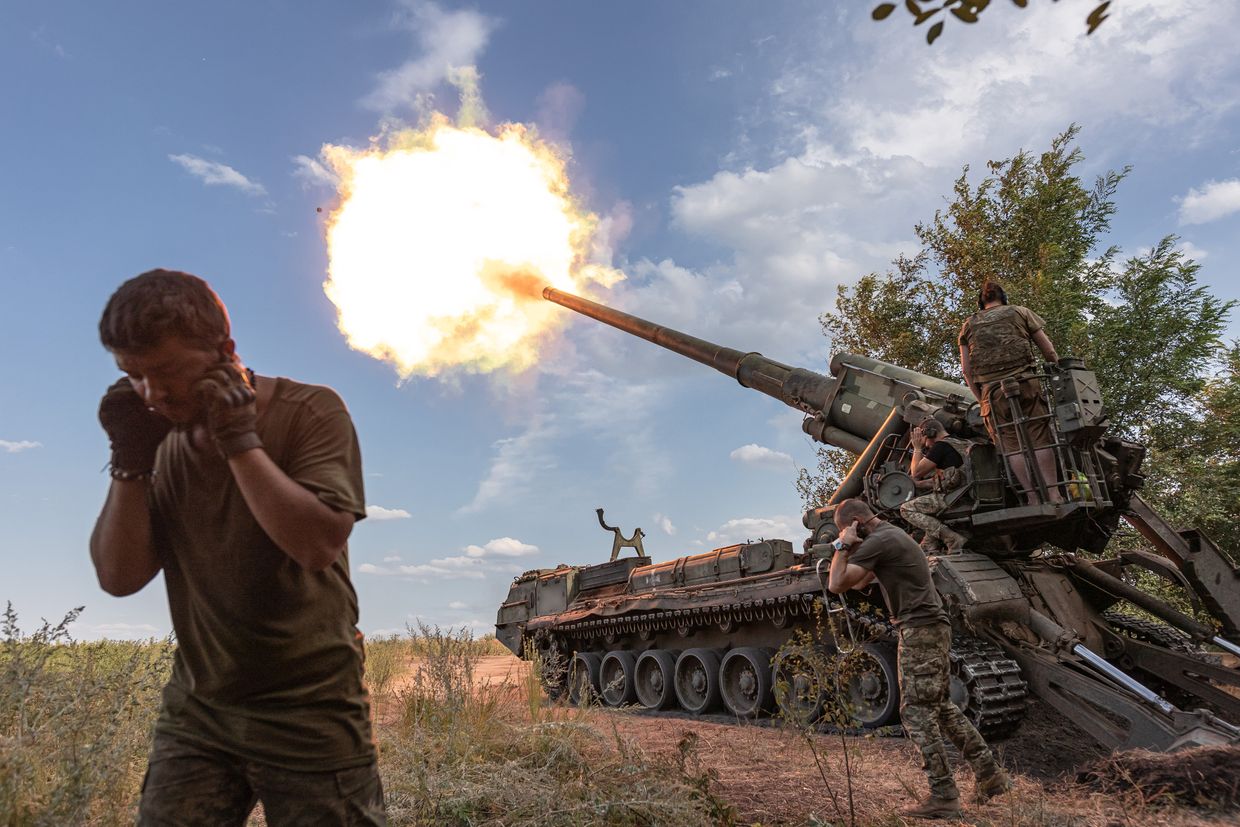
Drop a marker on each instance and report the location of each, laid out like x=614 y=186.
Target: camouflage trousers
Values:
x=188 y=785
x=928 y=712
x=921 y=512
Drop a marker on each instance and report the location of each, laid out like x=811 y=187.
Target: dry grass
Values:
x=461 y=745
x=75 y=724
x=461 y=750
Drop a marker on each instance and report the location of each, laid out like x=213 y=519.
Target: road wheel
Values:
x=869 y=684
x=583 y=678
x=615 y=678
x=798 y=684
x=655 y=679
x=697 y=680
x=745 y=681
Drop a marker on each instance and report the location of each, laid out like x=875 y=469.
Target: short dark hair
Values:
x=991 y=291
x=149 y=307
x=931 y=427
x=853 y=509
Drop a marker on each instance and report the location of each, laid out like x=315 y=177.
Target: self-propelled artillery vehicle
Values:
x=1037 y=605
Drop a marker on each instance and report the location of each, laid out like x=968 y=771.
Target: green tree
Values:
x=1146 y=326
x=1195 y=467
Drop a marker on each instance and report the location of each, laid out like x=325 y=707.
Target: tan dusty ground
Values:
x=776 y=776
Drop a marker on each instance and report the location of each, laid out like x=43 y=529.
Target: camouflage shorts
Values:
x=187 y=785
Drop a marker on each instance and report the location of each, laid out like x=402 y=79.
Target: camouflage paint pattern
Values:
x=928 y=712
x=921 y=511
x=188 y=785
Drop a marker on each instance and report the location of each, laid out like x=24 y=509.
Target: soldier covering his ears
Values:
x=869 y=548
x=243 y=490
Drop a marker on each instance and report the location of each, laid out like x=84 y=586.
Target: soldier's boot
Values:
x=952 y=541
x=934 y=807
x=930 y=545
x=997 y=783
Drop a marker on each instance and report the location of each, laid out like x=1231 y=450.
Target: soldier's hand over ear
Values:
x=232 y=410
x=134 y=430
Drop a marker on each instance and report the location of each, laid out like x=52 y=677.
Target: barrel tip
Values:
x=547 y=292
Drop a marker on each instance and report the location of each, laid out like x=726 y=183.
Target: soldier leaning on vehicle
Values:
x=937 y=466
x=997 y=343
x=869 y=548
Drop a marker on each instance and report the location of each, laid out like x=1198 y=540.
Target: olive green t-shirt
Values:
x=268 y=663
x=1000 y=341
x=900 y=567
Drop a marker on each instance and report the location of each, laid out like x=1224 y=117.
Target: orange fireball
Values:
x=443 y=241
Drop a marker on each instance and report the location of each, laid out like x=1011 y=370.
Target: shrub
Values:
x=75 y=723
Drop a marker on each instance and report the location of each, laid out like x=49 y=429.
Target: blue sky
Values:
x=747 y=157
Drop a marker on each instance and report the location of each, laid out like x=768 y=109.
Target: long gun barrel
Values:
x=846 y=408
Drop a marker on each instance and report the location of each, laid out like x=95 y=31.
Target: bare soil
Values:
x=777 y=776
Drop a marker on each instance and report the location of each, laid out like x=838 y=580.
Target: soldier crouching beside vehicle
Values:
x=870 y=548
x=938 y=466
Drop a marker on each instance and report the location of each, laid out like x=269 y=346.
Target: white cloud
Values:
x=313 y=172
x=117 y=631
x=759 y=455
x=752 y=528
x=517 y=462
x=831 y=171
x=574 y=401
x=502 y=547
x=378 y=512
x=1152 y=65
x=1210 y=202
x=17 y=447
x=1191 y=250
x=39 y=36
x=447 y=41
x=458 y=605
x=213 y=173
x=446 y=568
x=665 y=522
x=475 y=564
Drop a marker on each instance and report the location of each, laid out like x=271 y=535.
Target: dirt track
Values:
x=772 y=776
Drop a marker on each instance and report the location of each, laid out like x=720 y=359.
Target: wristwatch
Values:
x=840 y=545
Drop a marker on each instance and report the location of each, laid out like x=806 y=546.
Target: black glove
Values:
x=232 y=412
x=134 y=430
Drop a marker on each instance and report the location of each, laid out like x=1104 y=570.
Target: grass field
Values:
x=461 y=745
x=76 y=718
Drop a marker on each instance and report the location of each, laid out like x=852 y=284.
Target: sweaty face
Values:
x=164 y=376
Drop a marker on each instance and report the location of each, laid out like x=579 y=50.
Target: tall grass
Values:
x=466 y=751
x=75 y=723
x=455 y=747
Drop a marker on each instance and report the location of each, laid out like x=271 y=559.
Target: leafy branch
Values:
x=966 y=11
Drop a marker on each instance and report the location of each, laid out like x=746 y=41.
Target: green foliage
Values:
x=75 y=724
x=1146 y=326
x=1195 y=465
x=966 y=11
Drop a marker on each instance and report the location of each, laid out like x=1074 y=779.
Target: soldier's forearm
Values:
x=303 y=526
x=120 y=546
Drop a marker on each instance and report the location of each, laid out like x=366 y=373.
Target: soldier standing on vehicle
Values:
x=243 y=490
x=996 y=343
x=936 y=465
x=869 y=548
